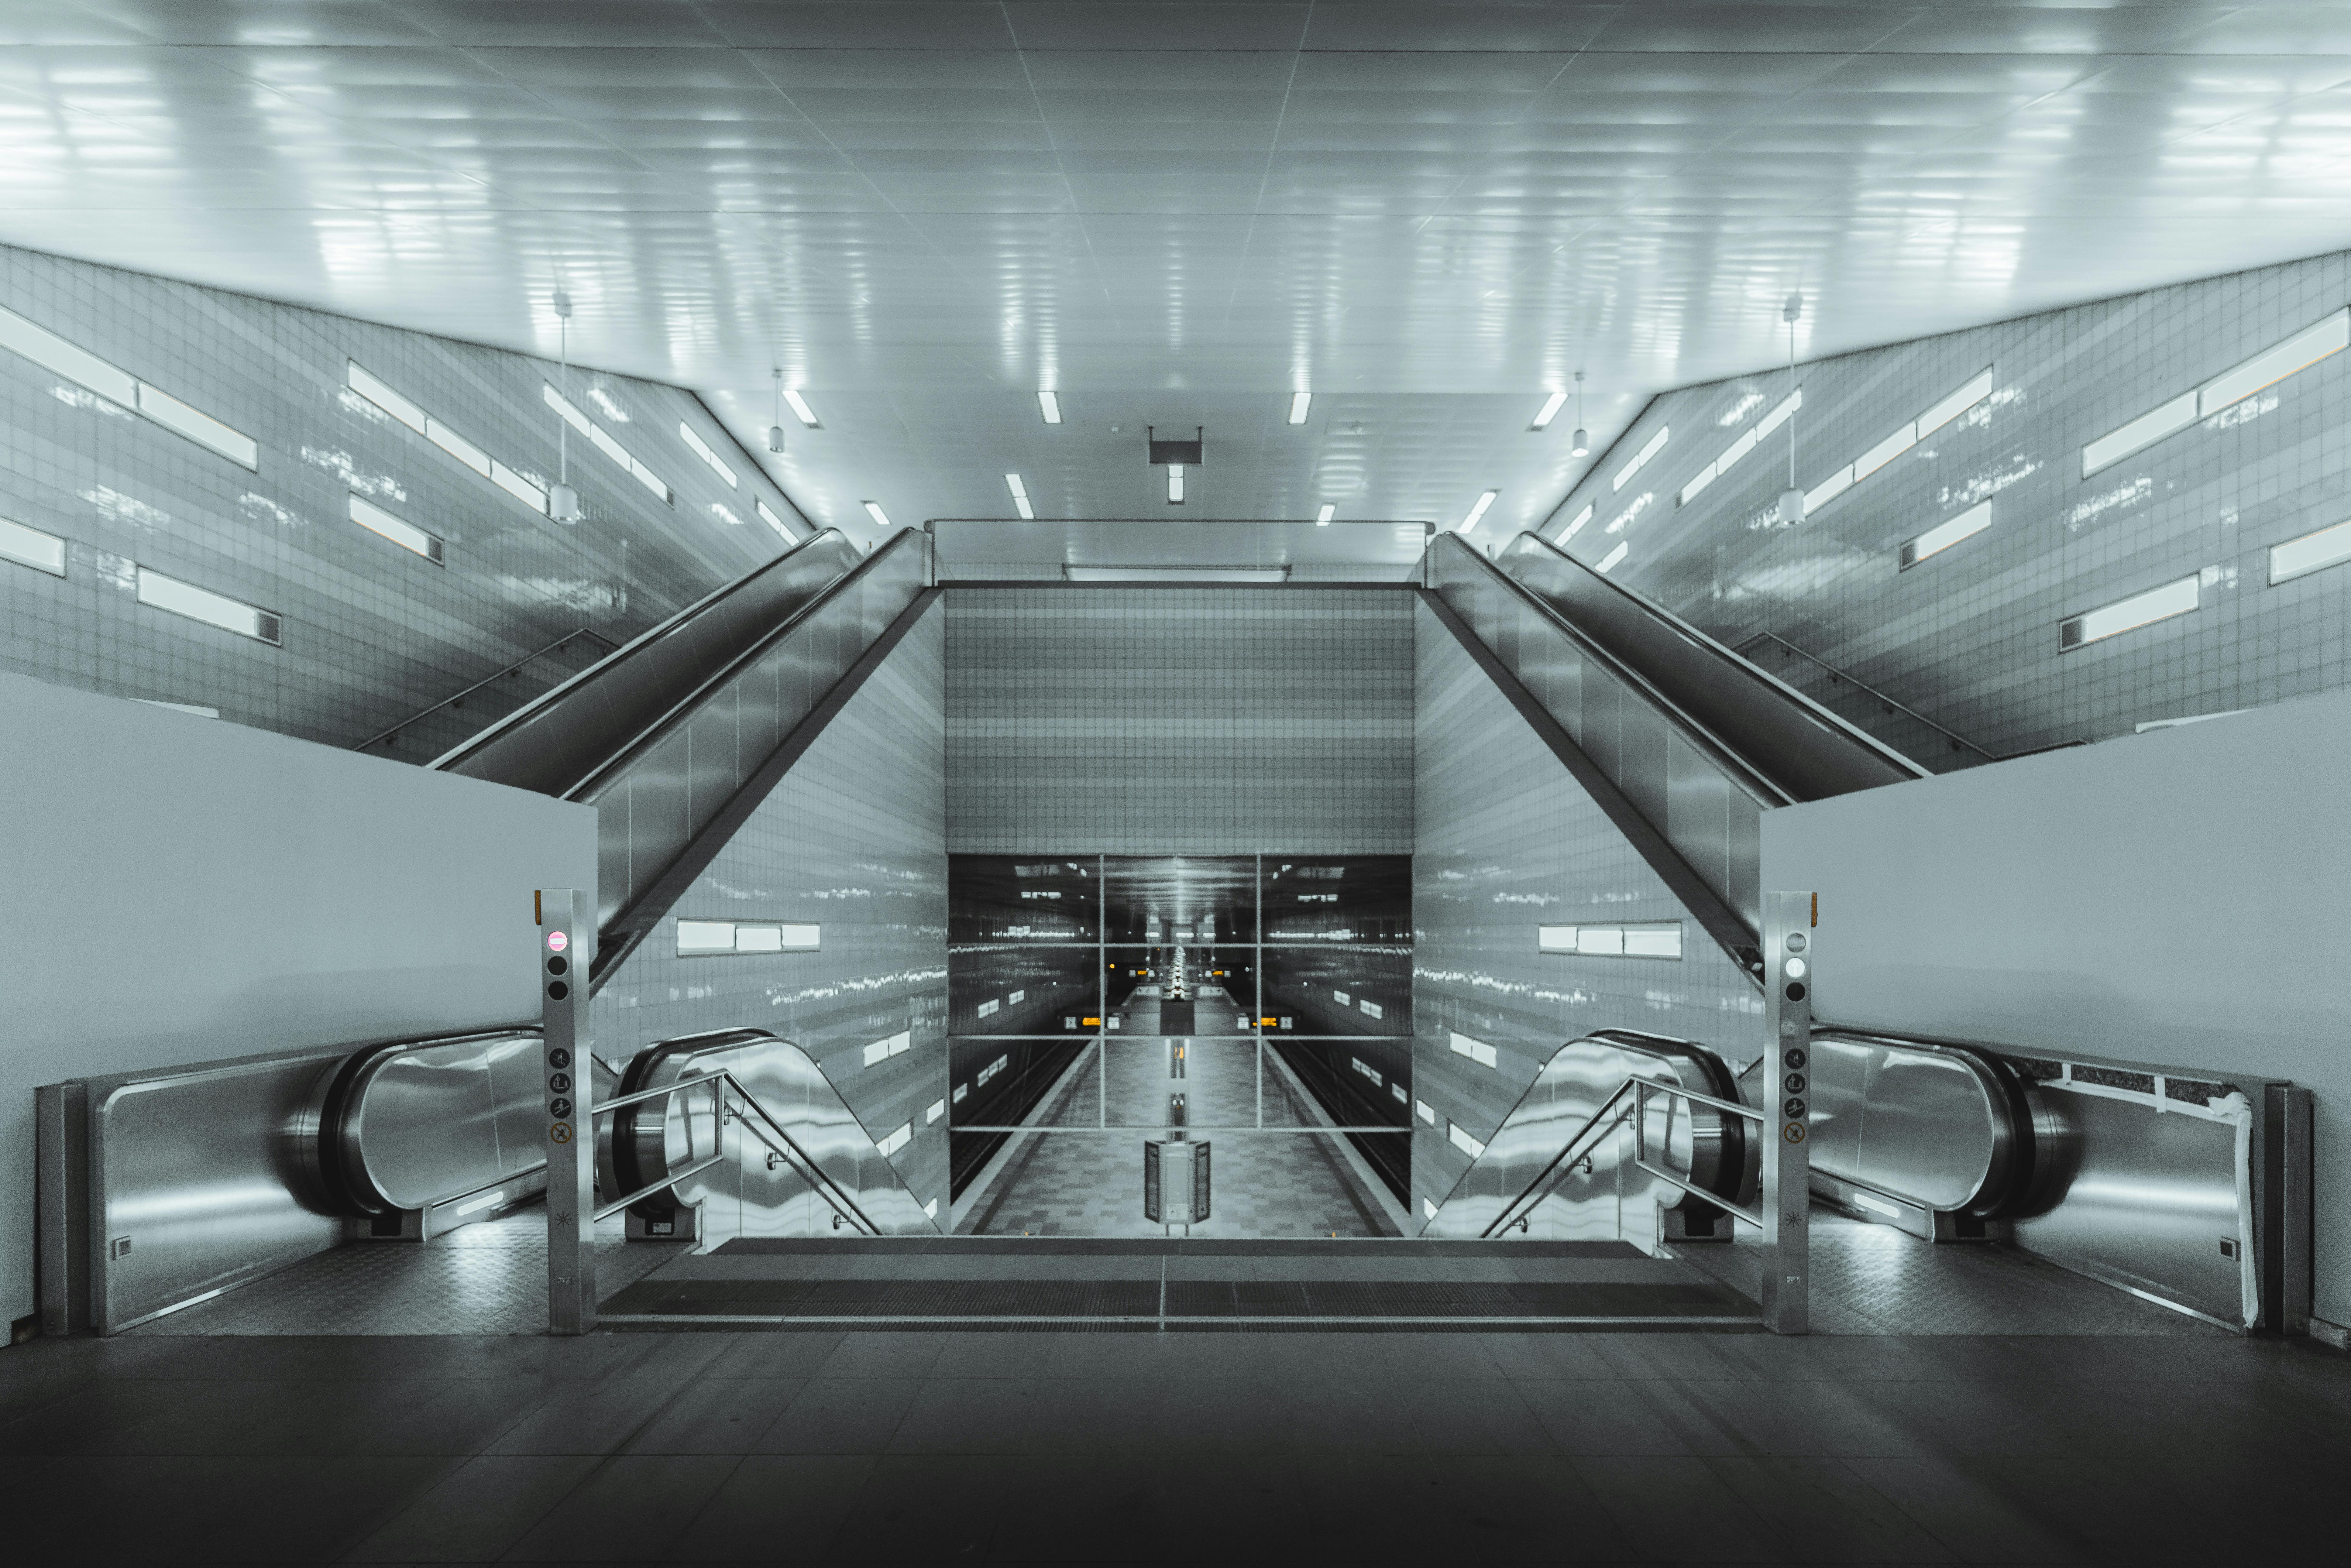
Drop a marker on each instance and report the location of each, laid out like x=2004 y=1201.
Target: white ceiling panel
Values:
x=1428 y=215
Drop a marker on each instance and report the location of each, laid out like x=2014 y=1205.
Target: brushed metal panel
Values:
x=1742 y=821
x=1600 y=697
x=713 y=753
x=200 y=1178
x=743 y=1197
x=1642 y=766
x=1932 y=1129
x=1840 y=1074
x=2147 y=1199
x=1614 y=1198
x=1698 y=807
x=425 y=1123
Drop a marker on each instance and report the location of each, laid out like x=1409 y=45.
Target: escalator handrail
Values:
x=1742 y=774
x=1724 y=1084
x=645 y=1062
x=1780 y=703
x=522 y=714
x=630 y=752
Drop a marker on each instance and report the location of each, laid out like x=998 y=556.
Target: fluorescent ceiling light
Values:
x=76 y=363
x=2299 y=353
x=1478 y=513
x=1174 y=483
x=1322 y=518
x=768 y=516
x=1958 y=404
x=2296 y=558
x=202 y=604
x=2127 y=615
x=1020 y=497
x=702 y=450
x=1655 y=444
x=2271 y=365
x=873 y=510
x=1828 y=490
x=1298 y=406
x=1550 y=409
x=384 y=398
x=1463 y=1141
x=1575 y=524
x=201 y=428
x=1175 y=574
x=1943 y=536
x=31 y=546
x=1885 y=452
x=404 y=534
x=800 y=407
x=1624 y=548
x=1048 y=404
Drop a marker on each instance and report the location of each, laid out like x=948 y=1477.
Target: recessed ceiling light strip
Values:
x=1650 y=449
x=1746 y=442
x=1897 y=441
x=597 y=435
x=117 y=385
x=2265 y=370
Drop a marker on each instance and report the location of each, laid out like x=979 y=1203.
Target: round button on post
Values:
x=561 y=1084
x=1796 y=1083
x=1795 y=942
x=556 y=991
x=1795 y=969
x=1793 y=1056
x=1795 y=992
x=1793 y=1108
x=561 y=1108
x=558 y=1058
x=558 y=965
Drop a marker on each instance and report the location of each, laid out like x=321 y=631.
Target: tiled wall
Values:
x=1179 y=720
x=1969 y=637
x=853 y=838
x=371 y=632
x=1508 y=841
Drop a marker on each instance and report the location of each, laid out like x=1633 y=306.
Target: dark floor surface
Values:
x=1204 y=1449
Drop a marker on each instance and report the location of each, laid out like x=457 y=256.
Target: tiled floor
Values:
x=1091 y=1184
x=1111 y=1449
x=1872 y=1279
x=489 y=1278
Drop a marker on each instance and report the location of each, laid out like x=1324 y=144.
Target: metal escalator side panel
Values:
x=1932 y=1124
x=550 y=744
x=748 y=1194
x=1805 y=749
x=423 y=1122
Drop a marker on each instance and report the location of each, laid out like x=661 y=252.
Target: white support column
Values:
x=566 y=944
x=1784 y=1095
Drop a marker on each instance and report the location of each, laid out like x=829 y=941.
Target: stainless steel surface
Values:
x=551 y=745
x=2148 y=1196
x=1807 y=751
x=653 y=798
x=1687 y=783
x=564 y=1108
x=1931 y=1124
x=1784 y=1091
x=198 y=1181
x=62 y=1207
x=1605 y=1197
x=429 y=1119
x=747 y=1194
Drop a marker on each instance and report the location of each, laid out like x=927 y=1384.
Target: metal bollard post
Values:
x=566 y=944
x=1785 y=1098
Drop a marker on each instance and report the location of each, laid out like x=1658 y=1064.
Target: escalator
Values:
x=677 y=737
x=1684 y=744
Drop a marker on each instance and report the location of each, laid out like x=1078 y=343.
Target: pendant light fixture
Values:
x=776 y=430
x=563 y=501
x=1582 y=442
x=1792 y=499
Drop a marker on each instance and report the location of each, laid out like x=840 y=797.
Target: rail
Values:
x=1628 y=1102
x=719 y=1081
x=1893 y=703
x=457 y=699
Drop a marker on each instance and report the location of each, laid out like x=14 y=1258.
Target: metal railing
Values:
x=458 y=699
x=725 y=1112
x=1629 y=1101
x=1892 y=704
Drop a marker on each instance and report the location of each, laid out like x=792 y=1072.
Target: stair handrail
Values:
x=1892 y=702
x=823 y=599
x=423 y=714
x=1703 y=739
x=659 y=629
x=820 y=1180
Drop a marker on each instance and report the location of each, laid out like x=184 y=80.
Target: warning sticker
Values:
x=559 y=1134
x=1793 y=1131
